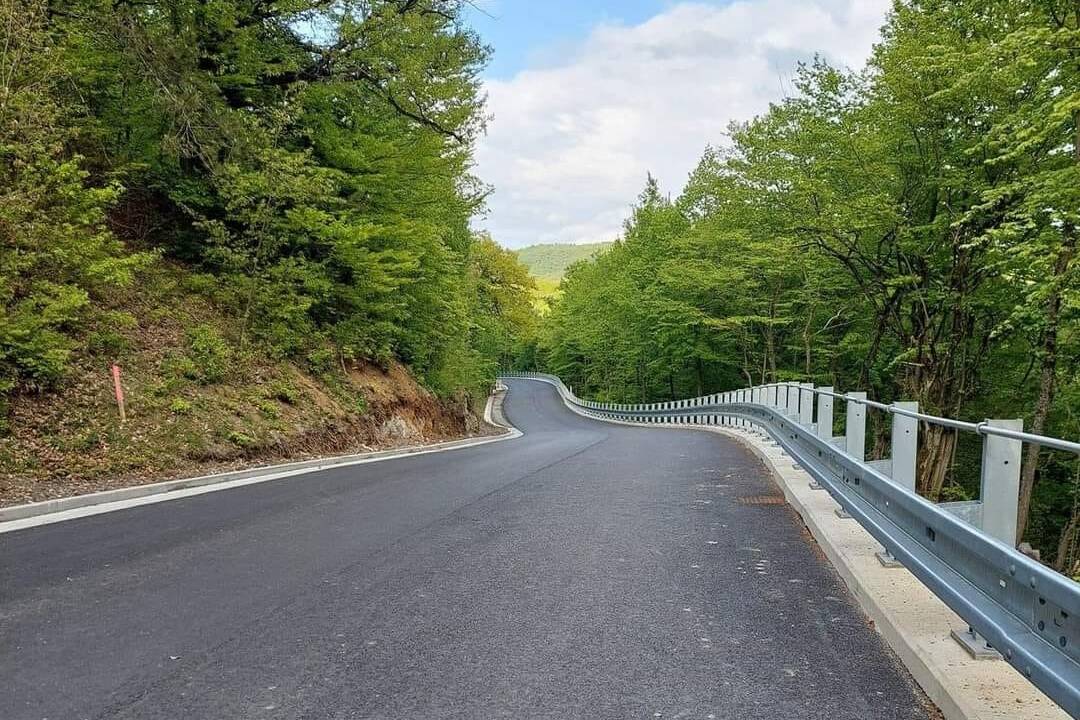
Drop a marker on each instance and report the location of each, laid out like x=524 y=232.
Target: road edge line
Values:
x=47 y=512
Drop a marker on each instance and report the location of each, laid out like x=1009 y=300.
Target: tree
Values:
x=56 y=253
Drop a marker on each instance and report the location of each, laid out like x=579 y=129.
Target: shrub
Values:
x=107 y=343
x=108 y=339
x=321 y=360
x=180 y=406
x=240 y=439
x=269 y=409
x=177 y=368
x=209 y=353
x=283 y=391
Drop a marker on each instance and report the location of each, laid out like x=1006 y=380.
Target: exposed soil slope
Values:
x=199 y=399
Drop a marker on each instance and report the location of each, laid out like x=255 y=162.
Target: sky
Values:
x=589 y=97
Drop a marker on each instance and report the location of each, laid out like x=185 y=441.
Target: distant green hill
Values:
x=549 y=261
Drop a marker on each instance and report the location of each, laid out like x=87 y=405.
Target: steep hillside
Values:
x=200 y=399
x=548 y=262
x=269 y=235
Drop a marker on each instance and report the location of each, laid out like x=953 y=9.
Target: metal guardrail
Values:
x=964 y=553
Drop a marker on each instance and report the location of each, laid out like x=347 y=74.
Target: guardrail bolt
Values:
x=976 y=645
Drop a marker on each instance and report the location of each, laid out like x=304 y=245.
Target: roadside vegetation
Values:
x=254 y=209
x=908 y=228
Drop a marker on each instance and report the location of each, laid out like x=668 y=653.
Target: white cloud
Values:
x=570 y=145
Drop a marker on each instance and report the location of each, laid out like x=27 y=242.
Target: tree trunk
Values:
x=935 y=456
x=806 y=338
x=1048 y=368
x=1066 y=561
x=770 y=342
x=1047 y=385
x=643 y=383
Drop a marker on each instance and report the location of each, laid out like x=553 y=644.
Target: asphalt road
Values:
x=585 y=570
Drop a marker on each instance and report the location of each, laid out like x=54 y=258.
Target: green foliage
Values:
x=180 y=406
x=909 y=229
x=210 y=355
x=240 y=439
x=176 y=370
x=56 y=254
x=108 y=339
x=269 y=409
x=321 y=360
x=283 y=391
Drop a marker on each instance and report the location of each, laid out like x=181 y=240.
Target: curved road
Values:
x=585 y=570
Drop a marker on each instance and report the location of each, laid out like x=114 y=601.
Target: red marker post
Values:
x=119 y=393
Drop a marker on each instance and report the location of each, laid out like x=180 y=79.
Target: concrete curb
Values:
x=911 y=619
x=493 y=413
x=18 y=517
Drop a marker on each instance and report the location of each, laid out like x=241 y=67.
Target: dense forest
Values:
x=234 y=184
x=908 y=228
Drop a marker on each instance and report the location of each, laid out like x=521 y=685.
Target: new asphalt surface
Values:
x=585 y=570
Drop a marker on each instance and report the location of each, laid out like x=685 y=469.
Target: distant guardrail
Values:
x=963 y=552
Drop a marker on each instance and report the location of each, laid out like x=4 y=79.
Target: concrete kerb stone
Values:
x=109 y=500
x=911 y=619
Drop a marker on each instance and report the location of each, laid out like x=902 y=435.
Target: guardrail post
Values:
x=824 y=414
x=905 y=446
x=770 y=395
x=1001 y=482
x=856 y=426
x=904 y=461
x=806 y=404
x=1000 y=496
x=753 y=396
